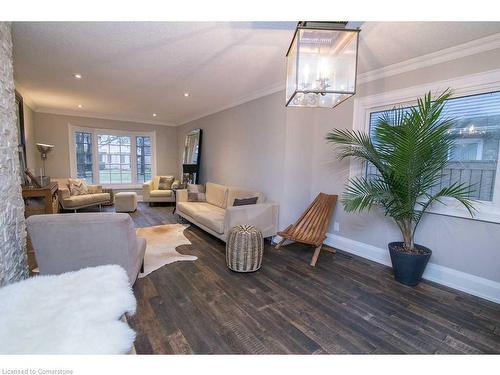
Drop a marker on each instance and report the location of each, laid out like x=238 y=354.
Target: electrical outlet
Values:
x=336 y=226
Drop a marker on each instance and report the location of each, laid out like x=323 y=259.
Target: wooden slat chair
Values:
x=311 y=227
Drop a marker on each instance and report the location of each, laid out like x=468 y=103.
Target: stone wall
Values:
x=13 y=265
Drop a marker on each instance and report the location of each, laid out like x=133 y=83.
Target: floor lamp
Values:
x=44 y=150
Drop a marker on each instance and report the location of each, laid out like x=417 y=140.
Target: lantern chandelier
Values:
x=321 y=64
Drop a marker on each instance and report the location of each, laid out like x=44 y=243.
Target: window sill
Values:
x=485 y=214
x=122 y=186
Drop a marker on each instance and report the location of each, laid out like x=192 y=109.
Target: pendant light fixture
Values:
x=321 y=64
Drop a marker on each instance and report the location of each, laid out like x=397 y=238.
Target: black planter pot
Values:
x=408 y=267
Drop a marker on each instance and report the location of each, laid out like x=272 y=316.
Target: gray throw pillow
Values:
x=196 y=197
x=192 y=188
x=165 y=183
x=245 y=201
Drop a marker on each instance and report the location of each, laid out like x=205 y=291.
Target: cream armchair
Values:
x=151 y=193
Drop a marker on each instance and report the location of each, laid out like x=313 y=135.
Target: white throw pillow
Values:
x=78 y=186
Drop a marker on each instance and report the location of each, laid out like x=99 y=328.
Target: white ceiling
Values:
x=134 y=69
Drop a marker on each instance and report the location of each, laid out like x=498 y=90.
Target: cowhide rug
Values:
x=161 y=243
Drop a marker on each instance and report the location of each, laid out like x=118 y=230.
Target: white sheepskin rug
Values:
x=74 y=313
x=161 y=243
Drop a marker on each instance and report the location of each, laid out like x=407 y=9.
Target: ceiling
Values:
x=134 y=69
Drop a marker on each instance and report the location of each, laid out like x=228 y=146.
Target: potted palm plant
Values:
x=409 y=148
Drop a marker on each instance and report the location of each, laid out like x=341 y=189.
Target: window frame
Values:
x=74 y=153
x=137 y=160
x=473 y=84
x=72 y=129
x=112 y=159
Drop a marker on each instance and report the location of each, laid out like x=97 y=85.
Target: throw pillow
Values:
x=216 y=194
x=78 y=187
x=165 y=182
x=245 y=201
x=192 y=188
x=196 y=197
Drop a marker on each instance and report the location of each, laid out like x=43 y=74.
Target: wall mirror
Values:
x=21 y=148
x=191 y=157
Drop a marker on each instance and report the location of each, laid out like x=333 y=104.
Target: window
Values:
x=476 y=106
x=474 y=157
x=143 y=158
x=112 y=157
x=83 y=148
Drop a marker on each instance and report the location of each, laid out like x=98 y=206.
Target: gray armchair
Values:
x=69 y=242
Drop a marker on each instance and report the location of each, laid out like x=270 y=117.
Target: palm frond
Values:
x=459 y=191
x=409 y=148
x=355 y=144
x=362 y=194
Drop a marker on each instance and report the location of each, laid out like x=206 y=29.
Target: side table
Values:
x=50 y=206
x=48 y=193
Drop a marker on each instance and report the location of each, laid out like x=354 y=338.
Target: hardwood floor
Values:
x=345 y=305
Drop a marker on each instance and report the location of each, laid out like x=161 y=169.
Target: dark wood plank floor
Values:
x=345 y=305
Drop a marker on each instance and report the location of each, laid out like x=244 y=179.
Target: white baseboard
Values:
x=475 y=285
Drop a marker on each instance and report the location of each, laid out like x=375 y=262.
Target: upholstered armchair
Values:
x=70 y=242
x=96 y=196
x=151 y=191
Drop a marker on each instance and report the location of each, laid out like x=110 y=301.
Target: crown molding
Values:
x=473 y=47
x=487 y=43
x=103 y=116
x=244 y=99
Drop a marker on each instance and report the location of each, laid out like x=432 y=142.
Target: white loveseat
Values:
x=217 y=215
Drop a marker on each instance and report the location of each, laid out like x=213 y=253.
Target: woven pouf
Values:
x=244 y=248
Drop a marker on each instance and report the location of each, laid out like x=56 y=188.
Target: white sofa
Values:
x=95 y=197
x=217 y=215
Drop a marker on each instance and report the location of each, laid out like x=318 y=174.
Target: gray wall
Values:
x=247 y=146
x=13 y=265
x=282 y=152
x=53 y=129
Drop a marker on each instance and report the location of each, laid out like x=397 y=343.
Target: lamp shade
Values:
x=44 y=149
x=321 y=65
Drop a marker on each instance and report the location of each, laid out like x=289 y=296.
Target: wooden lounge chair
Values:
x=311 y=227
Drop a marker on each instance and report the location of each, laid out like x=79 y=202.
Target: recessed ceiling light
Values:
x=77 y=76
x=80 y=106
x=186 y=94
x=154 y=114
